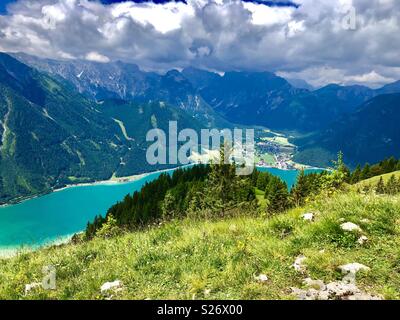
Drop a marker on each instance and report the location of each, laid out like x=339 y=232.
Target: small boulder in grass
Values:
x=350 y=226
x=116 y=286
x=32 y=286
x=309 y=216
x=261 y=278
x=298 y=264
x=362 y=240
x=353 y=268
x=350 y=271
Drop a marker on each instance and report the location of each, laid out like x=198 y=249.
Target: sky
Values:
x=320 y=41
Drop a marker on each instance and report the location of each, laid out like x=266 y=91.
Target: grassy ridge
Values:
x=184 y=259
x=374 y=180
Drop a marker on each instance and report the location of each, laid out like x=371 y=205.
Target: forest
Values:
x=215 y=191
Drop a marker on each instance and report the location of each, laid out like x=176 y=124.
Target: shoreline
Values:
x=128 y=179
x=8 y=252
x=110 y=182
x=115 y=180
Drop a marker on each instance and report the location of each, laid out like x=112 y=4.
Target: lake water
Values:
x=55 y=216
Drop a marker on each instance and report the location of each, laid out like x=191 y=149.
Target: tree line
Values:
x=214 y=191
x=369 y=171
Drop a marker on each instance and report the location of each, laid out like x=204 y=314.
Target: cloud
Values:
x=97 y=57
x=309 y=41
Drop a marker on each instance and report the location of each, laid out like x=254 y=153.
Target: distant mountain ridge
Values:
x=249 y=98
x=118 y=80
x=207 y=99
x=369 y=134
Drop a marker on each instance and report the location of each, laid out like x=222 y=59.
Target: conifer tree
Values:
x=299 y=191
x=355 y=176
x=380 y=187
x=392 y=186
x=278 y=196
x=365 y=172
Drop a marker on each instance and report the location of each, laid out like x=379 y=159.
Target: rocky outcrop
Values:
x=345 y=289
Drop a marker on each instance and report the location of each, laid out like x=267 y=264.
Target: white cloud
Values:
x=97 y=57
x=268 y=16
x=372 y=79
x=309 y=42
x=163 y=18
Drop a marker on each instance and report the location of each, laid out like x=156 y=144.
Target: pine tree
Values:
x=365 y=172
x=355 y=176
x=263 y=180
x=380 y=187
x=278 y=196
x=300 y=190
x=335 y=180
x=392 y=186
x=224 y=190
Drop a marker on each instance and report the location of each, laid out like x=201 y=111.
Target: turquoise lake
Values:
x=55 y=216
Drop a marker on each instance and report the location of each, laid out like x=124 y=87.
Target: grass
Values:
x=262 y=202
x=374 y=180
x=183 y=259
x=268 y=158
x=283 y=141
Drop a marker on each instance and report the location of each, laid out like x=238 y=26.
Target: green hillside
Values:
x=374 y=180
x=197 y=259
x=51 y=136
x=368 y=134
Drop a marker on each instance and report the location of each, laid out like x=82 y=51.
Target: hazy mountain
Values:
x=262 y=98
x=369 y=134
x=51 y=135
x=250 y=98
x=300 y=84
x=390 y=88
x=200 y=78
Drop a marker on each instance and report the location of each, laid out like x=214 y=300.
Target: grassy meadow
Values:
x=206 y=259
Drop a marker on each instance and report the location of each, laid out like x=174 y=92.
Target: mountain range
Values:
x=51 y=135
x=65 y=122
x=250 y=98
x=369 y=134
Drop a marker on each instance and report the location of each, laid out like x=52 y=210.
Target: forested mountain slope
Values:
x=367 y=135
x=51 y=135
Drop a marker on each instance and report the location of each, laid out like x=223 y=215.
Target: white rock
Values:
x=111 y=286
x=364 y=296
x=361 y=240
x=262 y=278
x=298 y=264
x=350 y=226
x=338 y=290
x=353 y=267
x=309 y=216
x=365 y=221
x=32 y=286
x=350 y=270
x=341 y=289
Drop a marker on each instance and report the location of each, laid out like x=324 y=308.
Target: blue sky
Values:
x=283 y=3
x=3 y=4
